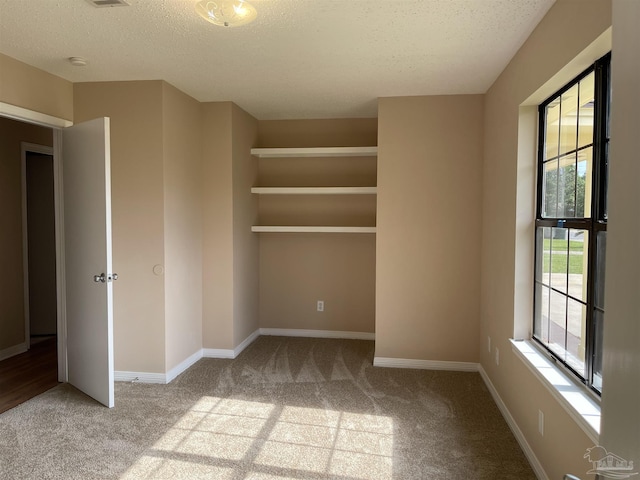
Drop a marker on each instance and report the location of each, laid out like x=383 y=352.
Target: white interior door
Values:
x=86 y=186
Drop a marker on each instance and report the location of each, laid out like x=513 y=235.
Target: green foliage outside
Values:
x=569 y=197
x=561 y=245
x=559 y=258
x=559 y=263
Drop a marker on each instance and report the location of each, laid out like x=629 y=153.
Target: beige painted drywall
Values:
x=318 y=172
x=621 y=382
x=12 y=279
x=245 y=212
x=429 y=224
x=557 y=50
x=334 y=210
x=297 y=270
x=137 y=200
x=28 y=87
x=217 y=211
x=182 y=152
x=342 y=132
x=230 y=270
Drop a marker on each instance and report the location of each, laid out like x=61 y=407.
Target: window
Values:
x=571 y=223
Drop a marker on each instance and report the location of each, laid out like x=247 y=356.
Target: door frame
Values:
x=56 y=124
x=26 y=147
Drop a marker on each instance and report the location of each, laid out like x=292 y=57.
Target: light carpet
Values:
x=286 y=408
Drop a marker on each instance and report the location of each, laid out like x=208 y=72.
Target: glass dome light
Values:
x=226 y=13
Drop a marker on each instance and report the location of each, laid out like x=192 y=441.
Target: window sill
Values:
x=576 y=402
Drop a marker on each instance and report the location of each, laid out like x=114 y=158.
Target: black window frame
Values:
x=597 y=221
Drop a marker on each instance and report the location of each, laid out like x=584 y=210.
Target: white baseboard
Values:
x=139 y=377
x=162 y=378
x=425 y=364
x=524 y=445
x=245 y=343
x=13 y=351
x=182 y=366
x=228 y=353
x=294 y=332
x=218 y=353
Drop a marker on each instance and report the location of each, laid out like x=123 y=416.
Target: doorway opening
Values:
x=39 y=244
x=41 y=302
x=29 y=363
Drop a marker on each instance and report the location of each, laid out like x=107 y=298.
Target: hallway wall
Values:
x=43 y=294
x=12 y=278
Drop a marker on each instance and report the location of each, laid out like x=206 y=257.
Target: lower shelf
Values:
x=311 y=229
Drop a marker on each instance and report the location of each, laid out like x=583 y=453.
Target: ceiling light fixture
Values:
x=227 y=13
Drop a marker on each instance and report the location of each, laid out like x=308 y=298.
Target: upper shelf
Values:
x=315 y=152
x=310 y=229
x=315 y=190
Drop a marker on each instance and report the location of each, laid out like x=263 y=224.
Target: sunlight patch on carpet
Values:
x=159 y=468
x=218 y=436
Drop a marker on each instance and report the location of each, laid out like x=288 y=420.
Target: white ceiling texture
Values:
x=299 y=59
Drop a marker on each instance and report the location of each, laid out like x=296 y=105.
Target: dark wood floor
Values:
x=29 y=374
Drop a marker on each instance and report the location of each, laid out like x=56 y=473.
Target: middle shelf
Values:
x=315 y=190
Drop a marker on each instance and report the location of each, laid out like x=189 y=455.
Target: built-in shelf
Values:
x=315 y=152
x=315 y=190
x=311 y=229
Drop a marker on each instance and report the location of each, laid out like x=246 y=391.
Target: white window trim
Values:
x=571 y=396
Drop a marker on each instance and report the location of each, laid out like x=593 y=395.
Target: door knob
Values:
x=102 y=278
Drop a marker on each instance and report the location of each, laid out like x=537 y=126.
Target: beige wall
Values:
x=182 y=151
x=137 y=199
x=217 y=210
x=547 y=60
x=28 y=87
x=297 y=270
x=621 y=395
x=12 y=280
x=156 y=169
x=245 y=212
x=341 y=132
x=429 y=224
x=230 y=271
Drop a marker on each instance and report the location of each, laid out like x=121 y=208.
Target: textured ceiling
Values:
x=299 y=59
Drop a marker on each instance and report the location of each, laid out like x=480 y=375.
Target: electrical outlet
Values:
x=489 y=344
x=320 y=306
x=497 y=356
x=541 y=422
